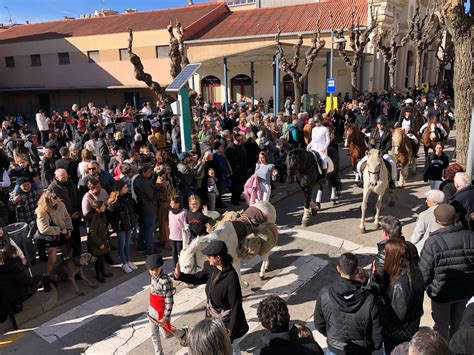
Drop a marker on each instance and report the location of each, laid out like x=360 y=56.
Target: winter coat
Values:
x=380 y=256
x=285 y=343
x=224 y=294
x=425 y=225
x=176 y=224
x=188 y=175
x=97 y=242
x=447 y=264
x=462 y=341
x=463 y=202
x=47 y=168
x=68 y=194
x=223 y=171
x=122 y=214
x=237 y=157
x=147 y=196
x=402 y=308
x=362 y=121
x=434 y=166
x=348 y=315
x=70 y=166
x=54 y=221
x=447 y=186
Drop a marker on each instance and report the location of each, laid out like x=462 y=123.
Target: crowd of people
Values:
x=121 y=174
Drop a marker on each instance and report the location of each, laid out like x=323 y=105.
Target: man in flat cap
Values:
x=447 y=264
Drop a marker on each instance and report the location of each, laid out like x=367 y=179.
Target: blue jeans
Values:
x=124 y=238
x=175 y=148
x=147 y=229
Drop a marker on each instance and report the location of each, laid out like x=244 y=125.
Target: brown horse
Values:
x=355 y=141
x=402 y=151
x=431 y=137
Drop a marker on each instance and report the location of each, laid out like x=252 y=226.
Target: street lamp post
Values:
x=331 y=58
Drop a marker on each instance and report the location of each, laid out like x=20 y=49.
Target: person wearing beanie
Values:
x=161 y=305
x=448 y=271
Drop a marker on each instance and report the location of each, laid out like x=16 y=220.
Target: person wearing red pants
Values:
x=161 y=305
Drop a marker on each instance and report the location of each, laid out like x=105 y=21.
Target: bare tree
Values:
x=389 y=52
x=358 y=40
x=141 y=75
x=445 y=56
x=291 y=66
x=458 y=23
x=177 y=50
x=423 y=31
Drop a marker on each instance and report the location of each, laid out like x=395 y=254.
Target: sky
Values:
x=44 y=10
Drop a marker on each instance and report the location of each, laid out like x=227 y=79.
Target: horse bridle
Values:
x=376 y=173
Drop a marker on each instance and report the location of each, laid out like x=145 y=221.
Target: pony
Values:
x=402 y=151
x=260 y=242
x=302 y=167
x=355 y=141
x=430 y=136
x=375 y=179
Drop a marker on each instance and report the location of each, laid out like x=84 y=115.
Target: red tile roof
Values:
x=295 y=18
x=139 y=21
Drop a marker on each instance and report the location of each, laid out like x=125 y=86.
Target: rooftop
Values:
x=292 y=19
x=138 y=21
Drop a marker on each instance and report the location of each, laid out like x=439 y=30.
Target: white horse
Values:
x=191 y=259
x=375 y=180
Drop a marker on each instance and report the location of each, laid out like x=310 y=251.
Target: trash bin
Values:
x=19 y=233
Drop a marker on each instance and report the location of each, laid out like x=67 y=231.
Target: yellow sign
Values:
x=425 y=87
x=328 y=103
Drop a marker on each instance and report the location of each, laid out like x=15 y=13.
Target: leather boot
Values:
x=46 y=284
x=324 y=172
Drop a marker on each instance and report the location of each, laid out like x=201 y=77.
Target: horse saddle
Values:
x=318 y=158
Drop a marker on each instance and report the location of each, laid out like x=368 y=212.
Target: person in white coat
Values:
x=426 y=222
x=43 y=126
x=319 y=143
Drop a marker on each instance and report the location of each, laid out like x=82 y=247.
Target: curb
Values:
x=39 y=303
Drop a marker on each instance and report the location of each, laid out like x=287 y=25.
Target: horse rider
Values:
x=381 y=139
x=407 y=122
x=362 y=120
x=319 y=145
x=436 y=113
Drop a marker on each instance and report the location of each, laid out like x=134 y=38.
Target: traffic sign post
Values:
x=330 y=89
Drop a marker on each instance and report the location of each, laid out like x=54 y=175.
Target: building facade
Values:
x=54 y=64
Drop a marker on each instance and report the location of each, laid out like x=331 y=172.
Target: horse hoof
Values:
x=318 y=206
x=262 y=277
x=362 y=230
x=304 y=223
x=334 y=202
x=314 y=211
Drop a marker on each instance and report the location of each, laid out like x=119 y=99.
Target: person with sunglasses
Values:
x=94 y=172
x=53 y=222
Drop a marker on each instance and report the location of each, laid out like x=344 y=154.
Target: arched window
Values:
x=241 y=87
x=211 y=90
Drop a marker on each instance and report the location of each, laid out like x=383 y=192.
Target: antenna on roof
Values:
x=10 y=21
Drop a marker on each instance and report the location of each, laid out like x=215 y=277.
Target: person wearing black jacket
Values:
x=347 y=313
x=273 y=313
x=146 y=193
x=224 y=295
x=67 y=192
x=462 y=341
x=362 y=120
x=434 y=165
x=67 y=163
x=236 y=154
x=47 y=167
x=463 y=200
x=402 y=295
x=392 y=228
x=448 y=270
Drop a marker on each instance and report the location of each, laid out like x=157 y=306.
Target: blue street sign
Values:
x=331 y=85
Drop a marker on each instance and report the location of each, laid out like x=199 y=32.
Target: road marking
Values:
x=330 y=240
x=11 y=338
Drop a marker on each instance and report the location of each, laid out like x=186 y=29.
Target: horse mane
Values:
x=399 y=137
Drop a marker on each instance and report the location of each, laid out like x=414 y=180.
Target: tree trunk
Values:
x=462 y=93
x=354 y=82
x=391 y=75
x=418 y=57
x=297 y=98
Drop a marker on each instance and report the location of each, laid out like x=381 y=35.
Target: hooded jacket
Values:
x=288 y=343
x=462 y=341
x=348 y=315
x=225 y=294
